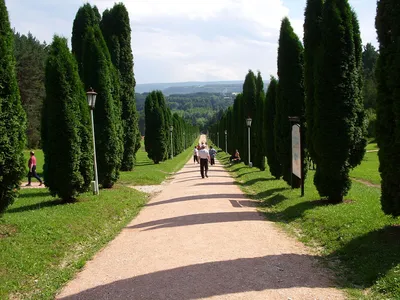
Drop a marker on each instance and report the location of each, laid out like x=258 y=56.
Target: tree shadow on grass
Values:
x=218 y=278
x=372 y=255
x=33 y=194
x=296 y=211
x=265 y=194
x=36 y=206
x=255 y=180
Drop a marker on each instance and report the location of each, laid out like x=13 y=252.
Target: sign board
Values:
x=296 y=151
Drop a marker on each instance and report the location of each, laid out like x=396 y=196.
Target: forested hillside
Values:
x=200 y=109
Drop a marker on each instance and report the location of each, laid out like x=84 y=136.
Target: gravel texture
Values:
x=202 y=239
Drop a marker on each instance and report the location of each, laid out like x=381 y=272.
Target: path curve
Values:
x=202 y=239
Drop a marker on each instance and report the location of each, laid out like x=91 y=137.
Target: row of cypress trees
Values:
x=320 y=83
x=102 y=59
x=158 y=122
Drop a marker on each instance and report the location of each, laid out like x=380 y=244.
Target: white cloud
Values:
x=182 y=40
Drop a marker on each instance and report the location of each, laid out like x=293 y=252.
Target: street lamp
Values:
x=218 y=138
x=171 y=128
x=248 y=122
x=91 y=99
x=226 y=141
x=184 y=138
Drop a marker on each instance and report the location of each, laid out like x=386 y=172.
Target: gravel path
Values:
x=202 y=239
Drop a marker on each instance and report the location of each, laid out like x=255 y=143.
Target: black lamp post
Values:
x=91 y=99
x=248 y=123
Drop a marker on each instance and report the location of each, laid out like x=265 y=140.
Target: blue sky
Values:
x=189 y=40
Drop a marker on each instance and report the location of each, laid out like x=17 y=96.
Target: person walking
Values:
x=212 y=152
x=32 y=169
x=195 y=155
x=204 y=159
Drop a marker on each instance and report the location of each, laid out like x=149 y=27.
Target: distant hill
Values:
x=190 y=87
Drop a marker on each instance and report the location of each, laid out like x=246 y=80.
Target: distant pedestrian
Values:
x=195 y=155
x=204 y=159
x=32 y=169
x=212 y=152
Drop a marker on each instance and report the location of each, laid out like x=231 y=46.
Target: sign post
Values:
x=297 y=151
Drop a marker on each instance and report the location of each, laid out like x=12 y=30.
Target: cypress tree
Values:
x=337 y=102
x=312 y=42
x=66 y=139
x=98 y=73
x=155 y=136
x=291 y=95
x=12 y=117
x=275 y=167
x=258 y=126
x=250 y=106
x=117 y=34
x=388 y=103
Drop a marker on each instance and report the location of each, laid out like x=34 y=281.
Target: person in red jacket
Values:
x=32 y=170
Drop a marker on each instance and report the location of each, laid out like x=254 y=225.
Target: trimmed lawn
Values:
x=43 y=243
x=355 y=238
x=368 y=169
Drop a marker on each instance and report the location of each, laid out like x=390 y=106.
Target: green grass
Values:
x=356 y=233
x=148 y=173
x=43 y=243
x=368 y=169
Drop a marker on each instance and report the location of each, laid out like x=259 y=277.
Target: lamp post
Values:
x=226 y=141
x=171 y=128
x=248 y=122
x=184 y=138
x=91 y=99
x=218 y=138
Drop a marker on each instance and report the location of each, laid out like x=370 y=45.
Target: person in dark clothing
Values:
x=32 y=170
x=212 y=155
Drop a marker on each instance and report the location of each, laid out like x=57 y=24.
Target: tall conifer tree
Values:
x=12 y=117
x=388 y=104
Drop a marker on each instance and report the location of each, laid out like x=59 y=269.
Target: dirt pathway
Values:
x=202 y=239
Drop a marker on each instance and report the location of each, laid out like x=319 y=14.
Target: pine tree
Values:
x=312 y=43
x=291 y=95
x=258 y=125
x=275 y=167
x=117 y=34
x=337 y=102
x=388 y=103
x=12 y=117
x=31 y=57
x=68 y=166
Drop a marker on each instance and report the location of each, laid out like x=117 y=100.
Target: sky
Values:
x=189 y=40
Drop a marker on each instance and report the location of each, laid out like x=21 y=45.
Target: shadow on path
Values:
x=212 y=279
x=197 y=197
x=197 y=219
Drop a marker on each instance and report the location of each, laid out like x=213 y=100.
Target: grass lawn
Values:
x=356 y=233
x=43 y=243
x=368 y=170
x=147 y=173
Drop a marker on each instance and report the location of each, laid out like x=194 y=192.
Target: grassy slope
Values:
x=368 y=170
x=43 y=243
x=357 y=233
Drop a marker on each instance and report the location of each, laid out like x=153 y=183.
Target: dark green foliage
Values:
x=117 y=34
x=290 y=96
x=97 y=73
x=388 y=104
x=312 y=42
x=269 y=116
x=155 y=139
x=338 y=137
x=87 y=16
x=66 y=139
x=250 y=106
x=357 y=149
x=12 y=117
x=258 y=126
x=31 y=57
